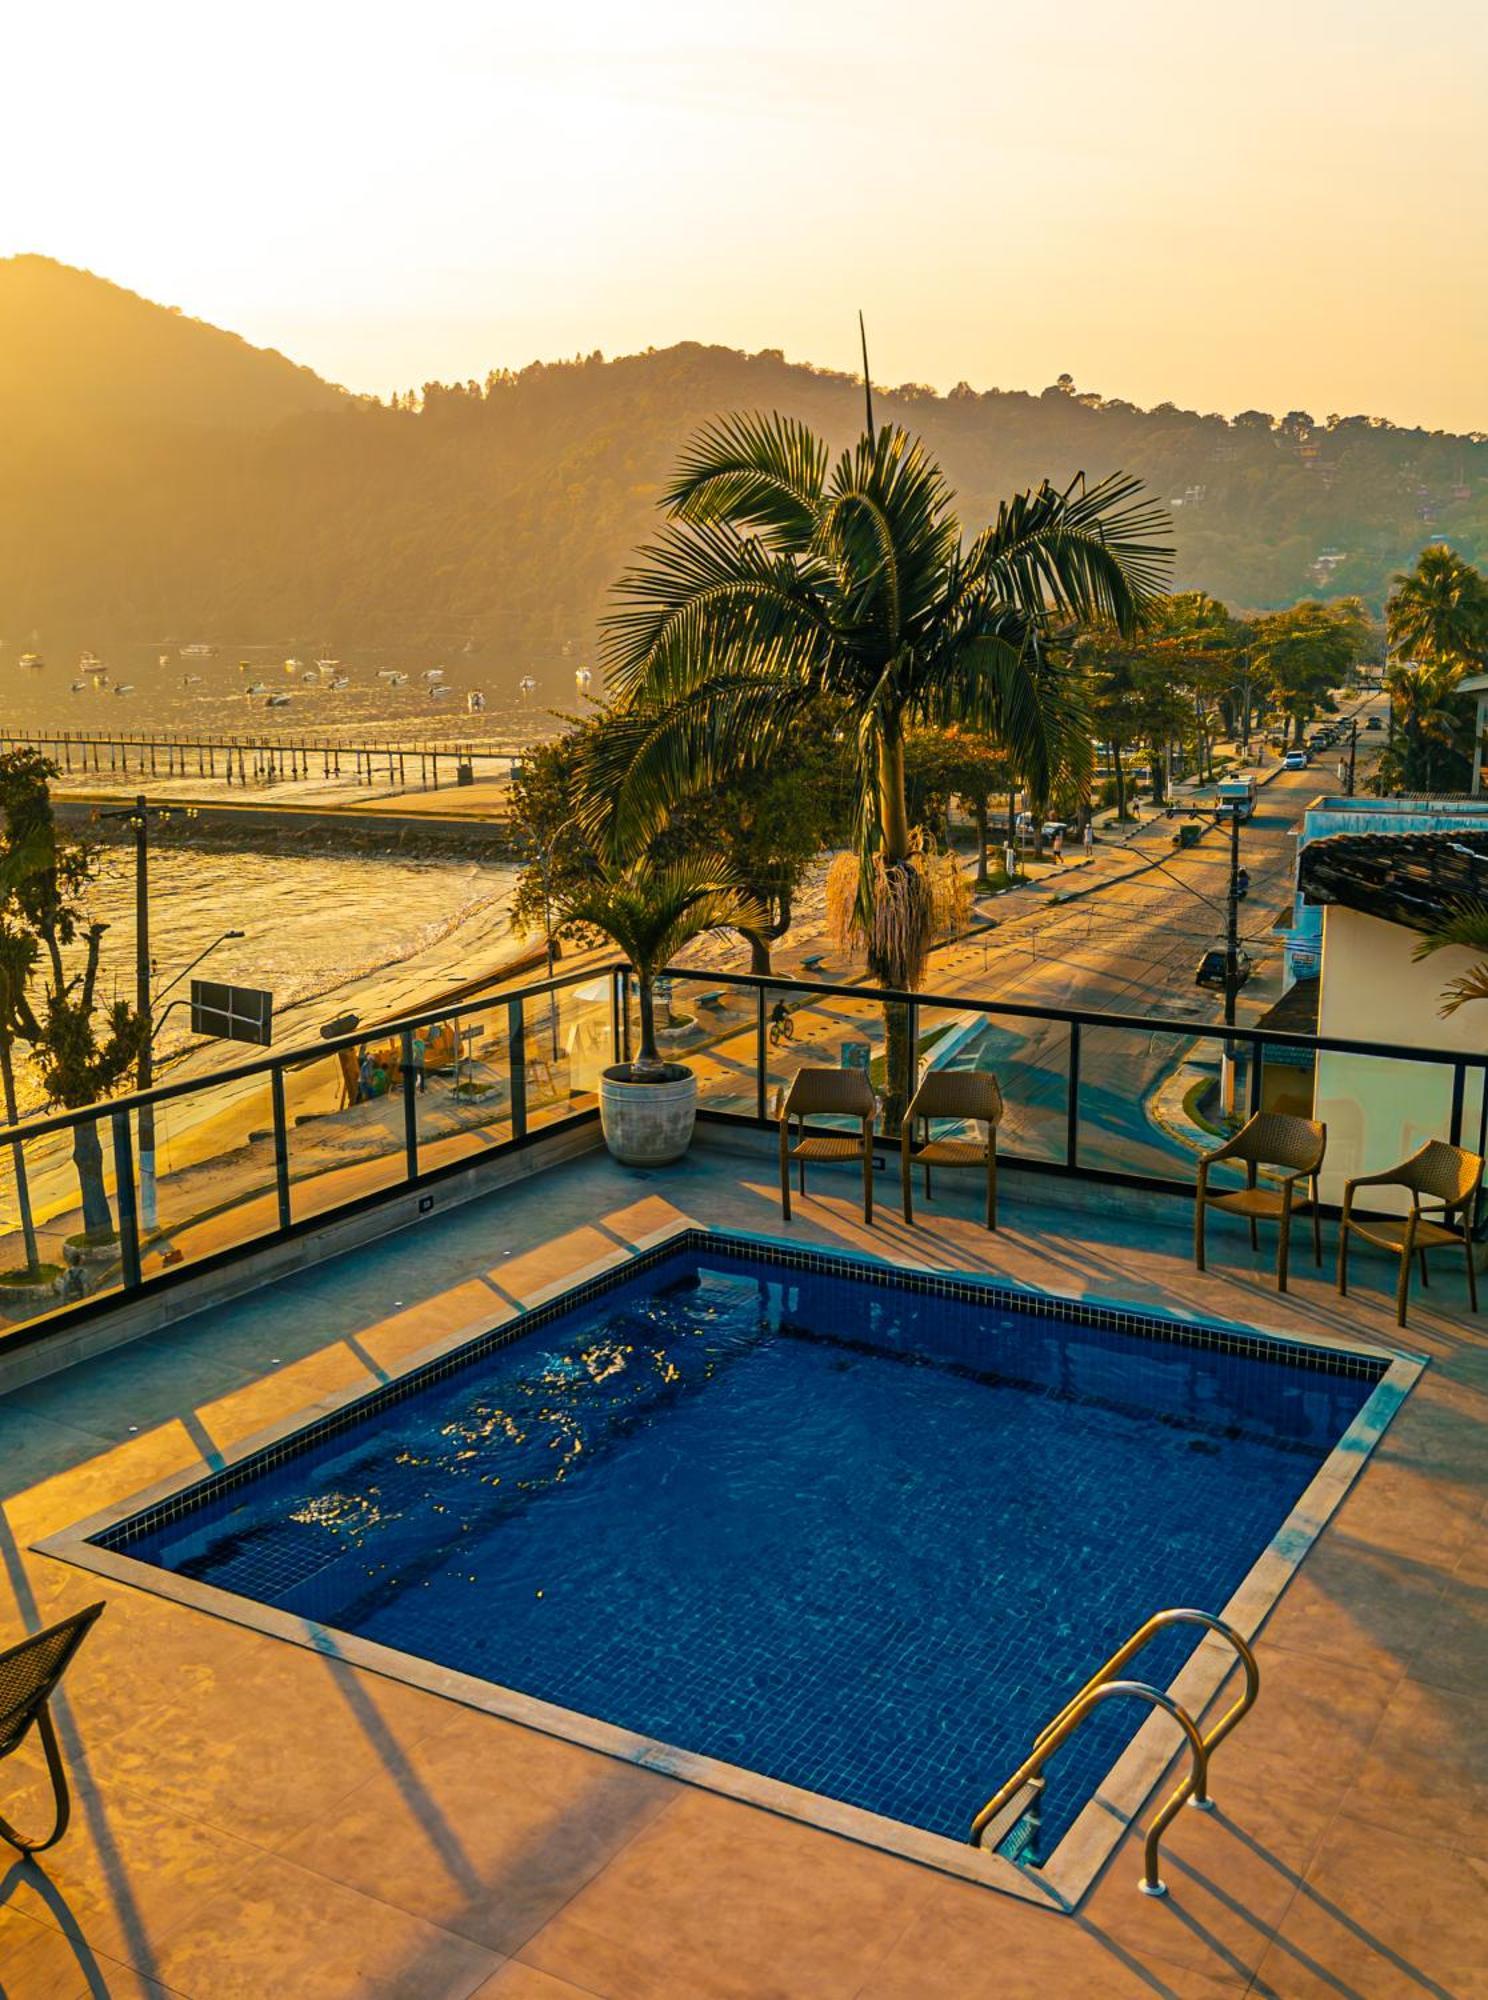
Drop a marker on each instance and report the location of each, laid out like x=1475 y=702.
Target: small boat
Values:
x=397 y=680
x=191 y=680
x=433 y=673
x=279 y=701
x=475 y=702
x=387 y=673
x=33 y=661
x=80 y=687
x=89 y=663
x=341 y=681
x=164 y=660
x=292 y=665
x=582 y=678
x=310 y=675
x=326 y=666
x=258 y=687
x=439 y=690
x=527 y=684
x=199 y=650
x=125 y=687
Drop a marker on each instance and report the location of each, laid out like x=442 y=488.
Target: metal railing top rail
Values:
x=299 y=1056
x=1088 y=1017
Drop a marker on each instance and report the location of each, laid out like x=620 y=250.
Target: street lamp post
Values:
x=545 y=867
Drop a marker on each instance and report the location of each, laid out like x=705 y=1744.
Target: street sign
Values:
x=232 y=1013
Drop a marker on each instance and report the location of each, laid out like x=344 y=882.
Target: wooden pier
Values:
x=259 y=761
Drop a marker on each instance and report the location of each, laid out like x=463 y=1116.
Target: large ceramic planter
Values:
x=647 y=1124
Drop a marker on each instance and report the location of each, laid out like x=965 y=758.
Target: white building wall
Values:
x=1372 y=990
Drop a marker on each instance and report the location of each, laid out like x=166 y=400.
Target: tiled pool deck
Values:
x=255 y=1820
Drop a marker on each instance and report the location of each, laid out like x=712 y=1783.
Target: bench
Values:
x=713 y=999
x=814 y=964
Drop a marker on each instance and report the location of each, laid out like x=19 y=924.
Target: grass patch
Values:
x=39 y=1274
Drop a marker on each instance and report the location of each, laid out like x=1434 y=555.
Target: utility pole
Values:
x=142 y=977
x=1353 y=754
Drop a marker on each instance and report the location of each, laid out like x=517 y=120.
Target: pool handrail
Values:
x=1193 y=1787
x=1065 y=1726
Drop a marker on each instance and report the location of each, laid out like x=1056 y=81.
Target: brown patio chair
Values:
x=1293 y=1148
x=1443 y=1175
x=29 y=1674
x=815 y=1092
x=969 y=1095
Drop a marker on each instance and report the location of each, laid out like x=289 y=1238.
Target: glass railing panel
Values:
x=1153 y=1098
x=711 y=1026
x=346 y=1134
x=1029 y=1058
x=465 y=1104
x=208 y=1181
x=1379 y=1111
x=568 y=1041
x=831 y=1032
x=59 y=1221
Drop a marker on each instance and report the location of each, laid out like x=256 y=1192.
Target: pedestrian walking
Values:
x=419 y=1048
x=1088 y=838
x=1059 y=847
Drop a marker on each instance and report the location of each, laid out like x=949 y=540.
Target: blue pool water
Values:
x=859 y=1536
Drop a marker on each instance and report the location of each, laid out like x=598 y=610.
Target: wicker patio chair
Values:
x=1293 y=1148
x=973 y=1097
x=29 y=1674
x=826 y=1092
x=1443 y=1175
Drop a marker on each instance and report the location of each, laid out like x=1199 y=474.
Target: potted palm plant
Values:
x=652 y=912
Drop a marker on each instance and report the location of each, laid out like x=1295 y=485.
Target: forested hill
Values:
x=180 y=481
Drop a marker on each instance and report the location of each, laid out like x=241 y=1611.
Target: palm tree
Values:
x=1438 y=611
x=652 y=913
x=1467 y=925
x=1429 y=716
x=779 y=581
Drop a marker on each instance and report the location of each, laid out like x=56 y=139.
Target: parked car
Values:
x=1211 y=972
x=1374 y=722
x=1295 y=760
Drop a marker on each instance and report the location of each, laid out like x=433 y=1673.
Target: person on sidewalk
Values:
x=1058 y=847
x=1087 y=838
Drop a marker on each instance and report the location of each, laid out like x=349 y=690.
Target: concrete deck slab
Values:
x=256 y=1820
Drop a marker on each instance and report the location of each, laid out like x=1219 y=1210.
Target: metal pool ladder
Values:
x=1020 y=1798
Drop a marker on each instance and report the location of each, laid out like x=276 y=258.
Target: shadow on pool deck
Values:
x=255 y=1819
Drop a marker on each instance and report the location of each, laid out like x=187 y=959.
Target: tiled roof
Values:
x=1414 y=879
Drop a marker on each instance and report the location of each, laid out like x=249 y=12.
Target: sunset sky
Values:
x=1275 y=205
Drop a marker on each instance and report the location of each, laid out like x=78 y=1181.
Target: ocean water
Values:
x=857 y=1537
x=321 y=932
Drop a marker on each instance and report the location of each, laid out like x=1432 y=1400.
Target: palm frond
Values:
x=760 y=471
x=1086 y=552
x=1466 y=924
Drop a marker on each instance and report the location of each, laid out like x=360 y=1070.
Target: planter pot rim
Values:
x=671 y=1074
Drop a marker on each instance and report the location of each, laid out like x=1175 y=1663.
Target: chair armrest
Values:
x=1391 y=1177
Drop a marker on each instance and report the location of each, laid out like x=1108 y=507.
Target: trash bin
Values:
x=464 y=774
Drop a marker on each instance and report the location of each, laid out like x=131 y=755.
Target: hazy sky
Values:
x=1277 y=204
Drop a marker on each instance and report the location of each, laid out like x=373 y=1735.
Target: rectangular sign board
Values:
x=232 y=1013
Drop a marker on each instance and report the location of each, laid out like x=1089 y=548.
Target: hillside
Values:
x=168 y=478
x=76 y=351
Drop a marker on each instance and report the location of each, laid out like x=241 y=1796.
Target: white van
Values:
x=1236 y=794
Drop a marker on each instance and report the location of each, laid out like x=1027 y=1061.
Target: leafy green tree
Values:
x=1466 y=925
x=82 y=1048
x=653 y=912
x=770 y=823
x=1437 y=613
x=942 y=765
x=780 y=581
x=1303 y=653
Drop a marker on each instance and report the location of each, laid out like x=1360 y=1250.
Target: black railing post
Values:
x=516 y=1039
x=1459 y=1093
x=410 y=1106
x=1258 y=1075
x=625 y=1014
x=1072 y=1102
x=759 y=1057
x=615 y=1055
x=129 y=1244
x=281 y=1146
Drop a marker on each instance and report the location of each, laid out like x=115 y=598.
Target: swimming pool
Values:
x=856 y=1530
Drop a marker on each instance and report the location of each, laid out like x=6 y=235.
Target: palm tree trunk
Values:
x=893 y=811
x=979 y=813
x=18 y=1156
x=648 y=1059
